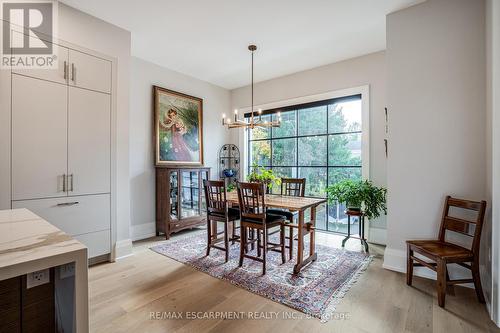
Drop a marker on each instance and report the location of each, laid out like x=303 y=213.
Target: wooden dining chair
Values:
x=254 y=216
x=218 y=211
x=442 y=252
x=292 y=187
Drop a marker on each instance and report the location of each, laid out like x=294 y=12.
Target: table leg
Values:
x=301 y=262
x=300 y=243
x=312 y=231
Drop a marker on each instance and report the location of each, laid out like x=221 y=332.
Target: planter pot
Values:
x=354 y=209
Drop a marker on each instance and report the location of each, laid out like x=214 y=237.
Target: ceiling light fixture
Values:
x=254 y=121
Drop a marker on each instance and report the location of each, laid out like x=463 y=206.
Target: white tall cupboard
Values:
x=61 y=146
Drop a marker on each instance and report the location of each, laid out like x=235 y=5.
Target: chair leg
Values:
x=209 y=234
x=282 y=241
x=477 y=281
x=441 y=282
x=234 y=233
x=243 y=245
x=409 y=267
x=290 y=242
x=264 y=254
x=246 y=235
x=252 y=237
x=226 y=241
x=449 y=287
x=259 y=245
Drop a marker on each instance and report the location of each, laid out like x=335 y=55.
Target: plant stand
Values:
x=361 y=237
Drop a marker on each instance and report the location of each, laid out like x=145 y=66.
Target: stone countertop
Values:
x=26 y=237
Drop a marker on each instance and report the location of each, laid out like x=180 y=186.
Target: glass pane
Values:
x=320 y=216
x=284 y=152
x=344 y=149
x=337 y=220
x=190 y=205
x=312 y=151
x=312 y=120
x=258 y=132
x=344 y=117
x=288 y=125
x=283 y=172
x=174 y=195
x=315 y=181
x=337 y=174
x=260 y=153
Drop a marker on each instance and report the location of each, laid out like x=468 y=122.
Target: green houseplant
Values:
x=230 y=187
x=262 y=175
x=359 y=195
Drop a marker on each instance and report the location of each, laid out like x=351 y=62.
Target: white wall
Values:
x=365 y=70
x=216 y=100
x=437 y=117
x=493 y=107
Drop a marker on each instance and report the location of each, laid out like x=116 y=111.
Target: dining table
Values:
x=299 y=205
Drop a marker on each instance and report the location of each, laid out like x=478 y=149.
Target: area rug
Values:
x=315 y=291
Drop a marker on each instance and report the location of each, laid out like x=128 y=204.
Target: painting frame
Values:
x=157 y=93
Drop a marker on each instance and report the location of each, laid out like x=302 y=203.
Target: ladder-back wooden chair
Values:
x=443 y=252
x=218 y=211
x=254 y=215
x=295 y=187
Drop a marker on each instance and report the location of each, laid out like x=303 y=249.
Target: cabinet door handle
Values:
x=65 y=70
x=67 y=203
x=70 y=178
x=64 y=182
x=73 y=72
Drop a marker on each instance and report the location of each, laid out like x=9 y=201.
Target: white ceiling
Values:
x=208 y=39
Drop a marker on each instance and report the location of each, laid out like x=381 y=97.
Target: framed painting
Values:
x=178 y=126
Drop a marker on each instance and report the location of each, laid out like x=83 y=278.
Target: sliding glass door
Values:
x=318 y=141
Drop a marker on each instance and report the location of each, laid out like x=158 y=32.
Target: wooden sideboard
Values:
x=180 y=201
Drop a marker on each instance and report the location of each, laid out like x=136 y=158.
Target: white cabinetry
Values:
x=89 y=142
x=89 y=72
x=61 y=146
x=39 y=131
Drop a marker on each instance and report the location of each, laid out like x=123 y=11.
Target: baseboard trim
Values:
x=123 y=248
x=142 y=231
x=395 y=260
x=378 y=236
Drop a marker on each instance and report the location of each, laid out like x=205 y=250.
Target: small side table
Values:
x=361 y=237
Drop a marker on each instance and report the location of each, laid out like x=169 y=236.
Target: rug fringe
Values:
x=327 y=314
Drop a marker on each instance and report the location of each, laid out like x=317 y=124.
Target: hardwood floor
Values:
x=124 y=296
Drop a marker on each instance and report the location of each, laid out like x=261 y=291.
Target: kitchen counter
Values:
x=28 y=243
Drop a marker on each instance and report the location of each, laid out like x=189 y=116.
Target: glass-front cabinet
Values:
x=180 y=201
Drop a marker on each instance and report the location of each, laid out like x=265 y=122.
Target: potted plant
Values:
x=262 y=175
x=359 y=195
x=230 y=187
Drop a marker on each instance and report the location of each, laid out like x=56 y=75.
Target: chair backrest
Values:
x=295 y=187
x=251 y=198
x=469 y=227
x=215 y=196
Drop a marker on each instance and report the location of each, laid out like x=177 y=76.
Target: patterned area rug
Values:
x=315 y=291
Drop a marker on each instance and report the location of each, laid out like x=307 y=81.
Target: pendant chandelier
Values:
x=254 y=120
